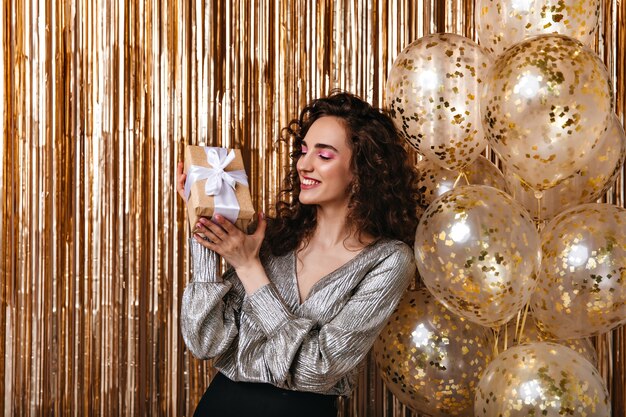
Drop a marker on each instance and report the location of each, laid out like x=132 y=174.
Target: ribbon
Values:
x=219 y=183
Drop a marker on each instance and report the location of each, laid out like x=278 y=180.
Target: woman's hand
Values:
x=240 y=250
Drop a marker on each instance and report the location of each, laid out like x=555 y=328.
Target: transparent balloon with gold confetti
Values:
x=581 y=290
x=541 y=379
x=477 y=251
x=585 y=186
x=430 y=358
x=503 y=23
x=547 y=102
x=434 y=181
x=433 y=93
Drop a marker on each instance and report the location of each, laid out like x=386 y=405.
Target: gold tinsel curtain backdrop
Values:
x=98 y=100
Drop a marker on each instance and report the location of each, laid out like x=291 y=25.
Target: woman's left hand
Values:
x=240 y=250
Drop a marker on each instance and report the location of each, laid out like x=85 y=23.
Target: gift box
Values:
x=217 y=184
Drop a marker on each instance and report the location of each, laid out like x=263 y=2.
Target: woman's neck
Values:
x=332 y=229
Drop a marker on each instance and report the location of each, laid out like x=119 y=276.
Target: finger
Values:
x=181 y=190
x=207 y=244
x=202 y=230
x=216 y=229
x=180 y=173
x=182 y=177
x=259 y=233
x=225 y=224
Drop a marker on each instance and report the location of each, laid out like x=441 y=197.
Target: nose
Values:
x=304 y=163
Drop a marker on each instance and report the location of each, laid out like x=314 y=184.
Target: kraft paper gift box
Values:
x=217 y=184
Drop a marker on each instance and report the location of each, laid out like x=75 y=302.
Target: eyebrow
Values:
x=322 y=146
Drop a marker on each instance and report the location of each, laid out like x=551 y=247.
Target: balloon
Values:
x=532 y=333
x=541 y=379
x=502 y=23
x=431 y=359
x=581 y=290
x=433 y=96
x=434 y=181
x=546 y=104
x=477 y=251
x=585 y=186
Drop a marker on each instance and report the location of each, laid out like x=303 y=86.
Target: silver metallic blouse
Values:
x=271 y=337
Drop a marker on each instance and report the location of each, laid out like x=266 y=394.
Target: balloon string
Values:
x=496 y=333
x=463 y=175
x=539 y=222
x=519 y=317
x=456 y=181
x=521 y=331
x=506 y=337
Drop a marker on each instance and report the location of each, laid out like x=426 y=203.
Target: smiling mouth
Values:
x=309 y=182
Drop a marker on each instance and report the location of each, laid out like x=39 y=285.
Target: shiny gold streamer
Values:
x=98 y=100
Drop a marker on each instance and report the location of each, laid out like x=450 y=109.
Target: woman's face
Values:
x=324 y=167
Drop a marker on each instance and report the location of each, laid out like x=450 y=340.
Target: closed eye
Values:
x=326 y=151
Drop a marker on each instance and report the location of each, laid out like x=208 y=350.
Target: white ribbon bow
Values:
x=219 y=183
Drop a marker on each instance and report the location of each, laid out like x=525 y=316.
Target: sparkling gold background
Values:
x=98 y=100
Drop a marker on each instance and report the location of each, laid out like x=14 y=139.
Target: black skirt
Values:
x=226 y=398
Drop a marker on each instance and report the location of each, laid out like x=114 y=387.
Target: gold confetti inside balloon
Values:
x=585 y=186
x=430 y=358
x=532 y=333
x=502 y=23
x=433 y=96
x=547 y=103
x=581 y=290
x=477 y=251
x=541 y=379
x=434 y=180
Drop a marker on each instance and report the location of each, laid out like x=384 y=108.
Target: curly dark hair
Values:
x=384 y=196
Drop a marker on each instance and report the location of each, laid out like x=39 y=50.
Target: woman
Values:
x=302 y=303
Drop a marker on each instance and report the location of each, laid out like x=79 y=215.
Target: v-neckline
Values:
x=315 y=286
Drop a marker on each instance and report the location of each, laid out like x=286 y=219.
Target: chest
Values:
x=312 y=266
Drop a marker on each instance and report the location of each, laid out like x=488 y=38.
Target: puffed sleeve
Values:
x=300 y=356
x=211 y=305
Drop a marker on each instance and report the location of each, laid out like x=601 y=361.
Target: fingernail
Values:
x=199 y=224
x=203 y=220
x=218 y=217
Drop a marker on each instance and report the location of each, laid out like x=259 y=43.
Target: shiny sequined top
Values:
x=271 y=337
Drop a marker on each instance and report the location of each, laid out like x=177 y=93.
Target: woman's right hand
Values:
x=180 y=180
